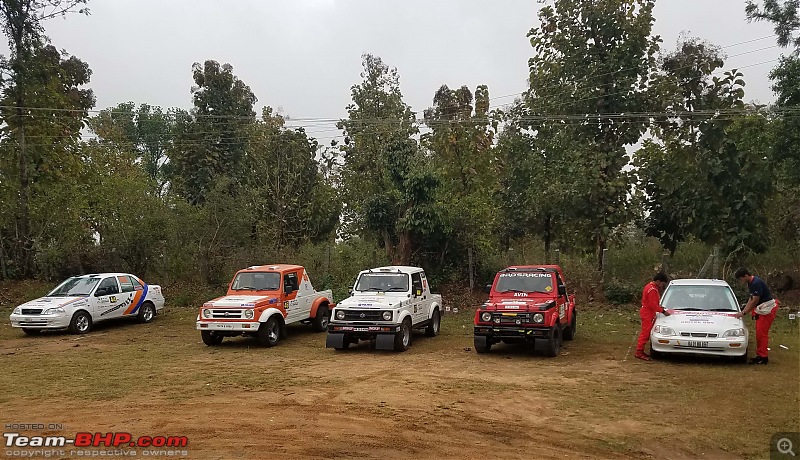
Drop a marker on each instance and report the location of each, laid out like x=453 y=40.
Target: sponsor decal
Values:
x=112 y=299
x=548 y=288
x=525 y=275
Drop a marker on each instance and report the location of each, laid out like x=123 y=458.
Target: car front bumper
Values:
x=514 y=332
x=228 y=326
x=339 y=332
x=40 y=321
x=729 y=346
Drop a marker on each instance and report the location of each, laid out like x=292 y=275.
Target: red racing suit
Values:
x=651 y=304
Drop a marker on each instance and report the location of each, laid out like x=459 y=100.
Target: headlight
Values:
x=387 y=316
x=486 y=317
x=206 y=313
x=17 y=311
x=340 y=314
x=538 y=318
x=734 y=333
x=664 y=330
x=53 y=311
x=248 y=314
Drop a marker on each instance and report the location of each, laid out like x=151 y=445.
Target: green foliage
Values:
x=785 y=14
x=619 y=293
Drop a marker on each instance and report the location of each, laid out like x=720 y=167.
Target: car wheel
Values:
x=270 y=332
x=211 y=338
x=554 y=344
x=569 y=333
x=655 y=354
x=146 y=313
x=402 y=339
x=81 y=323
x=432 y=330
x=30 y=331
x=482 y=344
x=320 y=322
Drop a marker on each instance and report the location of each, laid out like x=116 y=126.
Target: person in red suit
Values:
x=651 y=304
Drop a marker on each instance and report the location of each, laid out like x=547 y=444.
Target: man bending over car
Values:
x=763 y=307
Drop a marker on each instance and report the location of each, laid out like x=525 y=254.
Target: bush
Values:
x=619 y=293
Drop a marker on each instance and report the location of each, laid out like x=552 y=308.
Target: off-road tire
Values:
x=481 y=348
x=432 y=329
x=269 y=333
x=572 y=329
x=320 y=322
x=554 y=343
x=402 y=339
x=211 y=338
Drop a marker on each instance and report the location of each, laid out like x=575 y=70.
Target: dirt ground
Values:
x=437 y=400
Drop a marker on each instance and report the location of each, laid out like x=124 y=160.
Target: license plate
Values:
x=698 y=344
x=360 y=329
x=223 y=326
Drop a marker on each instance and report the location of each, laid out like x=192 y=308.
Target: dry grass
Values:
x=593 y=401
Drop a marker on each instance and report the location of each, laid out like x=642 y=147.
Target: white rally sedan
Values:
x=80 y=301
x=701 y=321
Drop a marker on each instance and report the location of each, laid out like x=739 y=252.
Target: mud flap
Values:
x=384 y=342
x=334 y=340
x=540 y=344
x=481 y=341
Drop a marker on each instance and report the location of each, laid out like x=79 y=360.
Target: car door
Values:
x=563 y=299
x=419 y=312
x=294 y=310
x=127 y=295
x=106 y=299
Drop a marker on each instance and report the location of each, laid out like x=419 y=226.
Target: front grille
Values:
x=698 y=334
x=226 y=314
x=499 y=318
x=363 y=315
x=31 y=311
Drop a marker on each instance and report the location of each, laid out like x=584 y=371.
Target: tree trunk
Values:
x=600 y=245
x=403 y=254
x=548 y=236
x=23 y=223
x=471 y=269
x=387 y=244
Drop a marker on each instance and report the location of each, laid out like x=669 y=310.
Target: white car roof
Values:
x=395 y=268
x=698 y=282
x=101 y=275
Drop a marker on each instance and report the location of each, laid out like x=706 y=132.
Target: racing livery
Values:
x=527 y=304
x=261 y=301
x=80 y=301
x=386 y=303
x=701 y=321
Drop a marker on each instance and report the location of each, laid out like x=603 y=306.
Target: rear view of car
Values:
x=702 y=321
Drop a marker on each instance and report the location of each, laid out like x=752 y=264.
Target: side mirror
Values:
x=562 y=290
x=288 y=289
x=488 y=288
x=101 y=292
x=350 y=292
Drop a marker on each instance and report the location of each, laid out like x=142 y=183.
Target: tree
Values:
x=147 y=131
x=594 y=60
x=22 y=22
x=785 y=14
x=460 y=142
x=211 y=146
x=385 y=178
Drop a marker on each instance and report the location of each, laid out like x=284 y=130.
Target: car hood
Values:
x=376 y=302
x=700 y=321
x=523 y=304
x=241 y=301
x=52 y=302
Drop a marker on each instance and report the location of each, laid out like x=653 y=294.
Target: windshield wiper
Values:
x=513 y=290
x=687 y=309
x=396 y=288
x=246 y=288
x=722 y=309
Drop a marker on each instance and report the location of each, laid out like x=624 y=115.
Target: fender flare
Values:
x=265 y=315
x=317 y=302
x=434 y=306
x=403 y=315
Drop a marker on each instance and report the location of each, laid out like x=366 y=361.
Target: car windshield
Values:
x=525 y=282
x=382 y=282
x=74 y=287
x=256 y=281
x=699 y=298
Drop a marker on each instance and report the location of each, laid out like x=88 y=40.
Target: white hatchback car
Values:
x=80 y=301
x=701 y=321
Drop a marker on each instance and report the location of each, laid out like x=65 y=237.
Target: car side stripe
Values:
x=138 y=300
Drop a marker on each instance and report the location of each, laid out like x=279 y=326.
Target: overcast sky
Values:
x=302 y=56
